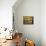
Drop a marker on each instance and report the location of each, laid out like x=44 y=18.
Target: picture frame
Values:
x=28 y=20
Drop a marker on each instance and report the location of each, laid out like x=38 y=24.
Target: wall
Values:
x=29 y=8
x=43 y=22
x=23 y=28
x=6 y=13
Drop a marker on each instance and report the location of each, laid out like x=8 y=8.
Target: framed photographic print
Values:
x=28 y=20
